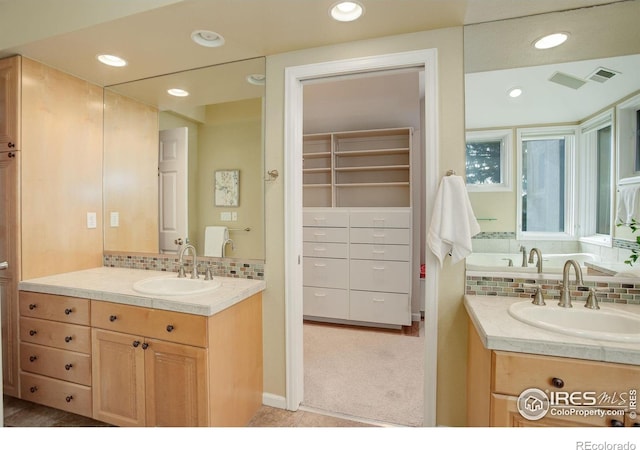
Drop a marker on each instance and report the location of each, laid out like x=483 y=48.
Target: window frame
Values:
x=626 y=140
x=570 y=134
x=505 y=136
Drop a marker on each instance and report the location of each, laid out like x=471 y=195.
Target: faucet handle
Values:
x=208 y=275
x=538 y=297
x=181 y=272
x=592 y=299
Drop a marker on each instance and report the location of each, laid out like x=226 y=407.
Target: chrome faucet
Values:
x=524 y=255
x=224 y=246
x=538 y=254
x=194 y=269
x=565 y=296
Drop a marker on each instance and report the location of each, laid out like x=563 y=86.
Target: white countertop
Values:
x=499 y=331
x=116 y=285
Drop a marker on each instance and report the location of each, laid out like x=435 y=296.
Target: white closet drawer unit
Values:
x=325 y=249
x=326 y=272
x=380 y=307
x=383 y=276
x=324 y=218
x=380 y=219
x=381 y=252
x=315 y=234
x=323 y=302
x=380 y=236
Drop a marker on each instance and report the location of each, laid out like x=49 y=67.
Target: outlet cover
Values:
x=115 y=219
x=234 y=216
x=92 y=220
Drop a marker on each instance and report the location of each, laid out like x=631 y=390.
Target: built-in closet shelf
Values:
x=317 y=155
x=372 y=184
x=366 y=168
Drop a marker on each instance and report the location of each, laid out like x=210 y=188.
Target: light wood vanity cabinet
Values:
x=10 y=103
x=495 y=379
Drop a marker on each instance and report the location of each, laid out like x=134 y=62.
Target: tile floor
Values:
x=21 y=413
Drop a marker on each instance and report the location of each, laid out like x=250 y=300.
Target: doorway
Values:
x=295 y=77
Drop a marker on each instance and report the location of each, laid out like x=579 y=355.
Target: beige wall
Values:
x=451 y=316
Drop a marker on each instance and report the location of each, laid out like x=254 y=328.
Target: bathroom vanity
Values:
x=92 y=345
x=506 y=357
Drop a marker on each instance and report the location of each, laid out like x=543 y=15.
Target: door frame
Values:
x=295 y=77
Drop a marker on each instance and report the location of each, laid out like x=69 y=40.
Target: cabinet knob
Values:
x=170 y=328
x=33 y=389
x=68 y=366
x=11 y=155
x=69 y=398
x=32 y=358
x=33 y=332
x=557 y=382
x=112 y=318
x=32 y=306
x=11 y=145
x=68 y=311
x=68 y=339
x=616 y=423
x=145 y=346
x=136 y=343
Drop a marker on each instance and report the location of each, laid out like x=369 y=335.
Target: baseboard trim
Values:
x=275 y=401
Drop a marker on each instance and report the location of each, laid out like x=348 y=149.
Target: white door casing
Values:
x=295 y=77
x=172 y=188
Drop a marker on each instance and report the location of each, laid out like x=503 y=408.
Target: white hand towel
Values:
x=453 y=223
x=628 y=204
x=214 y=238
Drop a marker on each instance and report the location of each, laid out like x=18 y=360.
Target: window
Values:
x=546 y=167
x=488 y=160
x=628 y=140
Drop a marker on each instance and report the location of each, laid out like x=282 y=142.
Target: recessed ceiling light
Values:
x=346 y=11
x=515 y=92
x=112 y=60
x=207 y=38
x=256 y=78
x=550 y=41
x=178 y=92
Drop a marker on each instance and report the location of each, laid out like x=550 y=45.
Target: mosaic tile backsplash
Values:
x=169 y=263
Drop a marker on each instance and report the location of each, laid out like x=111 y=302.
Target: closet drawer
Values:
x=325 y=272
x=54 y=307
x=380 y=236
x=325 y=250
x=380 y=219
x=383 y=276
x=58 y=394
x=62 y=364
x=322 y=302
x=76 y=338
x=315 y=234
x=324 y=218
x=381 y=252
x=380 y=307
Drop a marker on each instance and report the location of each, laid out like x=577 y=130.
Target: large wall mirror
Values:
x=575 y=86
x=214 y=176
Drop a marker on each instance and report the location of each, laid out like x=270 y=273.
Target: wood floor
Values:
x=21 y=413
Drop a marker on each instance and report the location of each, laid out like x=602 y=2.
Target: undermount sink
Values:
x=605 y=324
x=175 y=286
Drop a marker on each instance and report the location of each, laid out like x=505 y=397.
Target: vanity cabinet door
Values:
x=10 y=75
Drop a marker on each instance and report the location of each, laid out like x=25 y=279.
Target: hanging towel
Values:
x=453 y=223
x=628 y=204
x=214 y=238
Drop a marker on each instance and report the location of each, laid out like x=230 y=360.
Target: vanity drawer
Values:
x=383 y=276
x=55 y=307
x=381 y=252
x=323 y=218
x=323 y=302
x=315 y=234
x=71 y=337
x=62 y=364
x=380 y=219
x=380 y=307
x=326 y=272
x=380 y=236
x=515 y=372
x=325 y=250
x=170 y=326
x=58 y=394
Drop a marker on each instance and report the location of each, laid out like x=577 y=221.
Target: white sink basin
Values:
x=605 y=324
x=175 y=286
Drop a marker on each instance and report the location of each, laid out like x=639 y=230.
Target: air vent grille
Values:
x=602 y=74
x=567 y=80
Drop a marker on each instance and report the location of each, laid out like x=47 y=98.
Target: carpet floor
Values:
x=364 y=373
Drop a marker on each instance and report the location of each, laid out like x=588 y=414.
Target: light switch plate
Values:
x=115 y=219
x=225 y=216
x=92 y=220
x=234 y=216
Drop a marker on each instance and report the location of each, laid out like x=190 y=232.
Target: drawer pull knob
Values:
x=557 y=382
x=68 y=339
x=136 y=343
x=33 y=389
x=319 y=265
x=112 y=318
x=145 y=346
x=33 y=306
x=315 y=294
x=33 y=358
x=378 y=300
x=378 y=235
x=377 y=268
x=69 y=398
x=616 y=423
x=33 y=332
x=68 y=311
x=68 y=366
x=170 y=328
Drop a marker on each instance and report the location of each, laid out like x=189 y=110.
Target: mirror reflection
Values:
x=176 y=166
x=544 y=164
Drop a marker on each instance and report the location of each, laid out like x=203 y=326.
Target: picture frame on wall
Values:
x=227 y=187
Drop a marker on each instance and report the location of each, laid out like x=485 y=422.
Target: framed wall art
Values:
x=227 y=188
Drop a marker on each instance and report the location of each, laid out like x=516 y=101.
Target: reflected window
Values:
x=488 y=160
x=603 y=181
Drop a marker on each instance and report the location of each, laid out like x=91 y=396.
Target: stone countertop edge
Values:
x=115 y=285
x=499 y=331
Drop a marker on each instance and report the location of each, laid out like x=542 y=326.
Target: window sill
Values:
x=603 y=241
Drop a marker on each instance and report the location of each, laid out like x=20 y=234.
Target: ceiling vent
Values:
x=602 y=74
x=567 y=80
